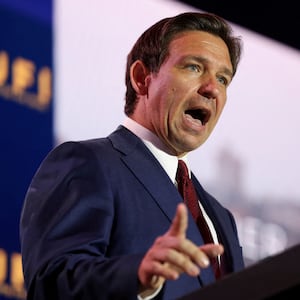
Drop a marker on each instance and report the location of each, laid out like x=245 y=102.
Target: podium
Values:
x=274 y=278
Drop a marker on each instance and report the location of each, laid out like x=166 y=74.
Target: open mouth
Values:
x=200 y=114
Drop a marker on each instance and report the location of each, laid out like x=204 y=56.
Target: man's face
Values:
x=185 y=98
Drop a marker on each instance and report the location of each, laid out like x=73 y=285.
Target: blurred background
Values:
x=62 y=66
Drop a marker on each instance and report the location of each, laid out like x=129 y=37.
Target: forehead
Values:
x=197 y=43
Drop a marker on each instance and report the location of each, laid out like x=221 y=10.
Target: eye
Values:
x=194 y=67
x=223 y=80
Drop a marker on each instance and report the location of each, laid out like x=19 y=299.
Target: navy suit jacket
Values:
x=92 y=211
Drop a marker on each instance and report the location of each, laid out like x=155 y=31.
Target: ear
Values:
x=138 y=77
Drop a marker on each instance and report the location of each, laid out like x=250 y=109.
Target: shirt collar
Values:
x=155 y=145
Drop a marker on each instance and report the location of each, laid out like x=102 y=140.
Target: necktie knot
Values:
x=182 y=170
x=186 y=189
x=182 y=178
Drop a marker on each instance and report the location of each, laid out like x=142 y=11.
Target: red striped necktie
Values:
x=187 y=190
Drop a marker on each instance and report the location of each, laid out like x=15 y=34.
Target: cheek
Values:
x=220 y=106
x=172 y=104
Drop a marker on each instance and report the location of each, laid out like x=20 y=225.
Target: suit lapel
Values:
x=147 y=170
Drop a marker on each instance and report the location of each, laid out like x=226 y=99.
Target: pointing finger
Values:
x=180 y=221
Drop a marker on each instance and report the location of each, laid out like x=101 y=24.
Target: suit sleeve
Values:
x=65 y=228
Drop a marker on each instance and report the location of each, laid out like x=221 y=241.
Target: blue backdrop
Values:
x=26 y=117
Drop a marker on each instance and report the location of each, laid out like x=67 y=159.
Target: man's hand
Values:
x=173 y=254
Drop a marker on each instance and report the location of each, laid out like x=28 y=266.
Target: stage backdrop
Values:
x=250 y=163
x=26 y=122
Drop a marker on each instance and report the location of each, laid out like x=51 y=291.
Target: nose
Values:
x=209 y=87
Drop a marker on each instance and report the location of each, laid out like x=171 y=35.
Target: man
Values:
x=103 y=218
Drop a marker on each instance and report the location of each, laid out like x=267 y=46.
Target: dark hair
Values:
x=153 y=45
